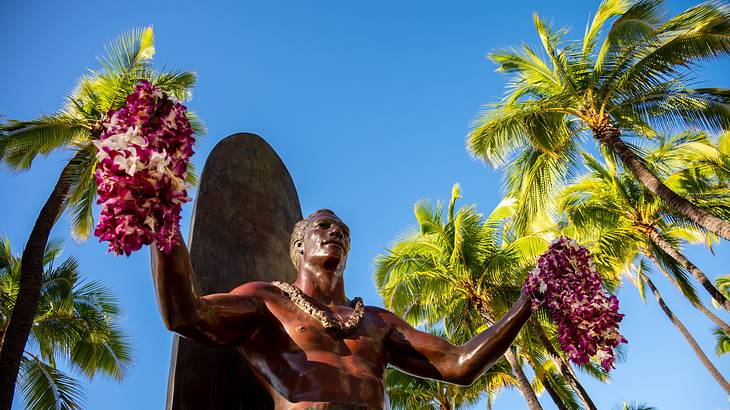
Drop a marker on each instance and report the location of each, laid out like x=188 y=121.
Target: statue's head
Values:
x=321 y=234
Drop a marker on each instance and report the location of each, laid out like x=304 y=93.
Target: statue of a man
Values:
x=308 y=344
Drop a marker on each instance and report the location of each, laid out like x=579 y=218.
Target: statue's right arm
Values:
x=221 y=319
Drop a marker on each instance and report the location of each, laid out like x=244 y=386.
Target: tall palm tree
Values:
x=629 y=77
x=610 y=200
x=72 y=129
x=612 y=214
x=642 y=276
x=76 y=323
x=459 y=274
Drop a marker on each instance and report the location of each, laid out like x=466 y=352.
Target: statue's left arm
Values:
x=426 y=355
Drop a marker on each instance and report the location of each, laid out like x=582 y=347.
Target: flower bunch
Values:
x=587 y=317
x=142 y=165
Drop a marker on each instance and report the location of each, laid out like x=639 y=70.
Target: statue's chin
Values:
x=327 y=260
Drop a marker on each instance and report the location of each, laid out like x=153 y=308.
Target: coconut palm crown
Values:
x=76 y=324
x=461 y=275
x=630 y=76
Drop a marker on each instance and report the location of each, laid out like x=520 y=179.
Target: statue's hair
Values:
x=297 y=236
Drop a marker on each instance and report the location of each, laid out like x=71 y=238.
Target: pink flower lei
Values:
x=142 y=165
x=587 y=317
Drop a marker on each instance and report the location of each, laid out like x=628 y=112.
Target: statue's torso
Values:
x=303 y=365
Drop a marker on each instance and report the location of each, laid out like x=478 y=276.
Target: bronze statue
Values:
x=308 y=344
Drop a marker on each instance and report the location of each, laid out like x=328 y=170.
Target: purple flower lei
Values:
x=142 y=165
x=587 y=317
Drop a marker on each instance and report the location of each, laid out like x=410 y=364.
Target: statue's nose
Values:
x=336 y=231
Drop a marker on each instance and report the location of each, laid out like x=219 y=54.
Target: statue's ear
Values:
x=300 y=247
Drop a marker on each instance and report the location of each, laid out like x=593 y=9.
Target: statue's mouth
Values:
x=334 y=242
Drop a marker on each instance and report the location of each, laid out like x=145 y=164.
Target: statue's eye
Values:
x=323 y=225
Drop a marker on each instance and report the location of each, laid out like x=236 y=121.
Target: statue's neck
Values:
x=325 y=286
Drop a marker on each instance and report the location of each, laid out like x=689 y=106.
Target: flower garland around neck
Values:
x=342 y=328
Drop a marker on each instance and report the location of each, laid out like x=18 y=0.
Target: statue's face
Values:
x=326 y=242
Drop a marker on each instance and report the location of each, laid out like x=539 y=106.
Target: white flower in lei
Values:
x=297 y=297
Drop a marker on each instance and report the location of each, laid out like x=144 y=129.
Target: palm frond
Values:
x=44 y=387
x=25 y=140
x=634 y=25
x=722 y=341
x=606 y=10
x=104 y=351
x=696 y=34
x=178 y=84
x=82 y=193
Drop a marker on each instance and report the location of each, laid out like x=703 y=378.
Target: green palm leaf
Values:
x=722 y=341
x=27 y=139
x=43 y=387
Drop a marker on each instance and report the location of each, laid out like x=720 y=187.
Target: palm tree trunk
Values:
x=547 y=383
x=563 y=367
x=444 y=399
x=692 y=342
x=31 y=271
x=694 y=270
x=609 y=135
x=699 y=306
x=523 y=384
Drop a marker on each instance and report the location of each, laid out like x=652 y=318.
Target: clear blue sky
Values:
x=368 y=104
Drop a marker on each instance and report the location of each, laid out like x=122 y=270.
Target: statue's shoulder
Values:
x=381 y=314
x=257 y=289
x=386 y=316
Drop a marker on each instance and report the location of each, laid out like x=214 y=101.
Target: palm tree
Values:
x=612 y=215
x=611 y=200
x=548 y=344
x=548 y=375
x=459 y=275
x=685 y=333
x=73 y=129
x=75 y=322
x=628 y=79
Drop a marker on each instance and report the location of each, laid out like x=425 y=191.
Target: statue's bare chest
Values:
x=305 y=334
x=299 y=358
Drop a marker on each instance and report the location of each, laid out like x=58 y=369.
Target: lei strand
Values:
x=352 y=322
x=587 y=317
x=142 y=165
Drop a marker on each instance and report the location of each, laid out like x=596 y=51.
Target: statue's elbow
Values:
x=468 y=373
x=181 y=327
x=465 y=379
x=196 y=330
x=180 y=324
x=461 y=376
